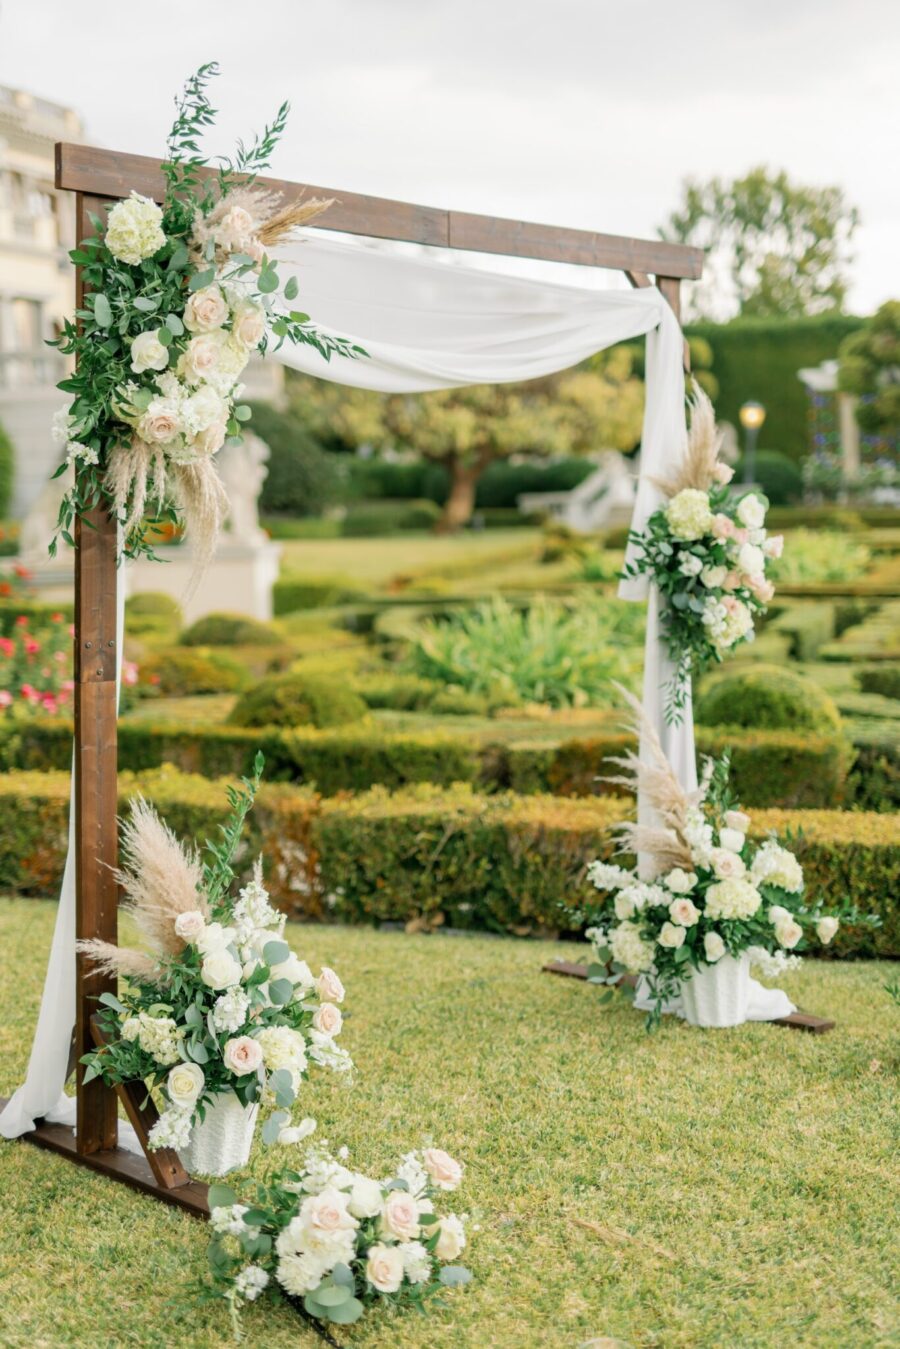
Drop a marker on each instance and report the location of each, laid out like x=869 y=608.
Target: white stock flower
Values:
x=826 y=929
x=228 y=1220
x=202 y=409
x=220 y=970
x=751 y=512
x=771 y=964
x=327 y=1054
x=416 y=1262
x=671 y=936
x=732 y=899
x=412 y=1171
x=732 y=839
x=134 y=229
x=250 y=1282
x=713 y=947
x=230 y=1010
x=605 y=876
x=681 y=882
x=148 y=353
x=629 y=948
x=184 y=1085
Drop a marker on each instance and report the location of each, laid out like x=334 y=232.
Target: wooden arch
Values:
x=99 y=178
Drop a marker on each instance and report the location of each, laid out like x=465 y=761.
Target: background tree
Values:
x=596 y=407
x=870 y=368
x=775 y=248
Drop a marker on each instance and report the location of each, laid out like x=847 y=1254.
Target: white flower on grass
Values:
x=300 y=1274
x=690 y=565
x=684 y=912
x=444 y=1170
x=826 y=929
x=295 y=1133
x=713 y=947
x=751 y=512
x=228 y=1220
x=184 y=1085
x=452 y=1240
x=688 y=514
x=329 y=986
x=681 y=882
x=671 y=936
x=220 y=970
x=148 y=353
x=325 y=1226
x=230 y=1010
x=134 y=229
x=384 y=1268
x=732 y=839
x=416 y=1262
x=412 y=1171
x=774 y=865
x=400 y=1215
x=328 y=1019
x=629 y=948
x=171 y=1130
x=324 y=1052
x=250 y=1282
x=732 y=899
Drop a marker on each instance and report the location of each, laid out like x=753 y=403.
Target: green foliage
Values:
x=223 y=629
x=302 y=478
x=870 y=368
x=153 y=613
x=500 y=485
x=37 y=614
x=298 y=699
x=549 y=653
x=372 y=519
x=883 y=679
x=808 y=626
x=778 y=476
x=756 y=358
x=291 y=593
x=766 y=697
x=816 y=555
x=179 y=672
x=875 y=775
x=7 y=472
x=777 y=248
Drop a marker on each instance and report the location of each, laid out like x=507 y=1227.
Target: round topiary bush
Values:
x=152 y=612
x=229 y=630
x=767 y=697
x=778 y=476
x=297 y=699
x=176 y=672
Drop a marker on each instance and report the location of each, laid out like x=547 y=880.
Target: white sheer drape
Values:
x=427 y=325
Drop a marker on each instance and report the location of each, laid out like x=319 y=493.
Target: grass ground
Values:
x=732 y=1188
x=375 y=561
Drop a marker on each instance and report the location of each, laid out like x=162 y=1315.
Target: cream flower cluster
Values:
x=158 y=1036
x=134 y=229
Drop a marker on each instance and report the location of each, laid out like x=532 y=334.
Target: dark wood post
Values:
x=96 y=842
x=670 y=288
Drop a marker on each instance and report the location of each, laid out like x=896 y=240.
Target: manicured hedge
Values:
x=809 y=626
x=502 y=863
x=769 y=767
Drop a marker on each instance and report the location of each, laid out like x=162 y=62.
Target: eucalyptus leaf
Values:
x=201 y=279
x=268 y=281
x=281 y=991
x=103 y=316
x=274 y=952
x=291 y=289
x=452 y=1276
x=221 y=1196
x=146 y=303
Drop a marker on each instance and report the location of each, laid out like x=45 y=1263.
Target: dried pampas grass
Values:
x=664 y=843
x=282 y=224
x=160 y=879
x=701 y=456
x=203 y=502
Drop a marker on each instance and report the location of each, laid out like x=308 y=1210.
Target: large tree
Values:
x=776 y=249
x=596 y=407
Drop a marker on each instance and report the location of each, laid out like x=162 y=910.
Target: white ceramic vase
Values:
x=718 y=995
x=223 y=1140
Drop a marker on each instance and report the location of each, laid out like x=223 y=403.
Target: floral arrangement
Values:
x=219 y=1002
x=707 y=552
x=178 y=296
x=336 y=1241
x=704 y=891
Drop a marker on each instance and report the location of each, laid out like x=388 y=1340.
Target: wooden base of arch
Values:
x=815 y=1025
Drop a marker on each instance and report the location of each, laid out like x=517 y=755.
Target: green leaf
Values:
x=174 y=324
x=193 y=1016
x=201 y=279
x=179 y=259
x=280 y=1079
x=297 y=317
x=273 y=1125
x=332 y=1295
x=165 y=337
x=291 y=289
x=103 y=315
x=146 y=303
x=243 y=412
x=268 y=281
x=221 y=1196
x=256 y=1217
x=198 y=1051
x=343 y=1275
x=344 y=1315
x=452 y=1276
x=281 y=991
x=110 y=1000
x=274 y=952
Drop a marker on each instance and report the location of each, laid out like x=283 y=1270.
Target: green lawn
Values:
x=693 y=1189
x=375 y=561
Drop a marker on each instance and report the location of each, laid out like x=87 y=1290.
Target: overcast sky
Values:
x=577 y=112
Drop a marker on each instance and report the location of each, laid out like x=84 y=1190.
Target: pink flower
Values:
x=732 y=581
x=401 y=1216
x=722 y=527
x=723 y=473
x=6 y=698
x=329 y=986
x=6 y=646
x=762 y=589
x=741 y=536
x=328 y=1019
x=59 y=656
x=774 y=545
x=22 y=621
x=56 y=618
x=31 y=646
x=129 y=672
x=443 y=1169
x=242 y=1055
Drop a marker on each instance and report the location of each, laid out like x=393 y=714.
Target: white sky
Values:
x=576 y=112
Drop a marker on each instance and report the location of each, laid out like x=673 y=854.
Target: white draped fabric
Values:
x=428 y=325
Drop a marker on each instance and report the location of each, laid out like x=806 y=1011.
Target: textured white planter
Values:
x=718 y=995
x=223 y=1140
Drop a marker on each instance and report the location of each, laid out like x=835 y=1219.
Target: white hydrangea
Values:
x=230 y=1010
x=735 y=898
x=322 y=1171
x=300 y=1274
x=134 y=229
x=774 y=865
x=229 y=1221
x=416 y=1262
x=688 y=514
x=606 y=876
x=159 y=1037
x=251 y=1281
x=282 y=1047
x=629 y=948
x=171 y=1130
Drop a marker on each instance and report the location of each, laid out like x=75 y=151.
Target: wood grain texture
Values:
x=106 y=173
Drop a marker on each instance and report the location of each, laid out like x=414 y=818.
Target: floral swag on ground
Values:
x=177 y=299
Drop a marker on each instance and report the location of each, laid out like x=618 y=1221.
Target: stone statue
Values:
x=242 y=469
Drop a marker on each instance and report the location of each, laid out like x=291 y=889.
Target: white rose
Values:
x=249 y=325
x=778 y=914
x=206 y=310
x=201 y=357
x=296 y=971
x=210 y=440
x=452 y=1240
x=215 y=937
x=328 y=1019
x=671 y=936
x=751 y=512
x=384 y=1268
x=184 y=1084
x=788 y=932
x=400 y=1215
x=751 y=559
x=690 y=565
x=825 y=929
x=683 y=912
x=713 y=577
x=713 y=947
x=727 y=865
x=329 y=986
x=365 y=1197
x=161 y=423
x=736 y=819
x=732 y=840
x=242 y=1055
x=444 y=1170
x=189 y=925
x=681 y=882
x=220 y=970
x=148 y=353
x=204 y=408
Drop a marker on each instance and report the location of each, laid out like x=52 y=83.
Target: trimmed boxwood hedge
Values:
x=769 y=767
x=505 y=863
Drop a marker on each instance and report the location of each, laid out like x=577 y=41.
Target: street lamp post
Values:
x=752 y=416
